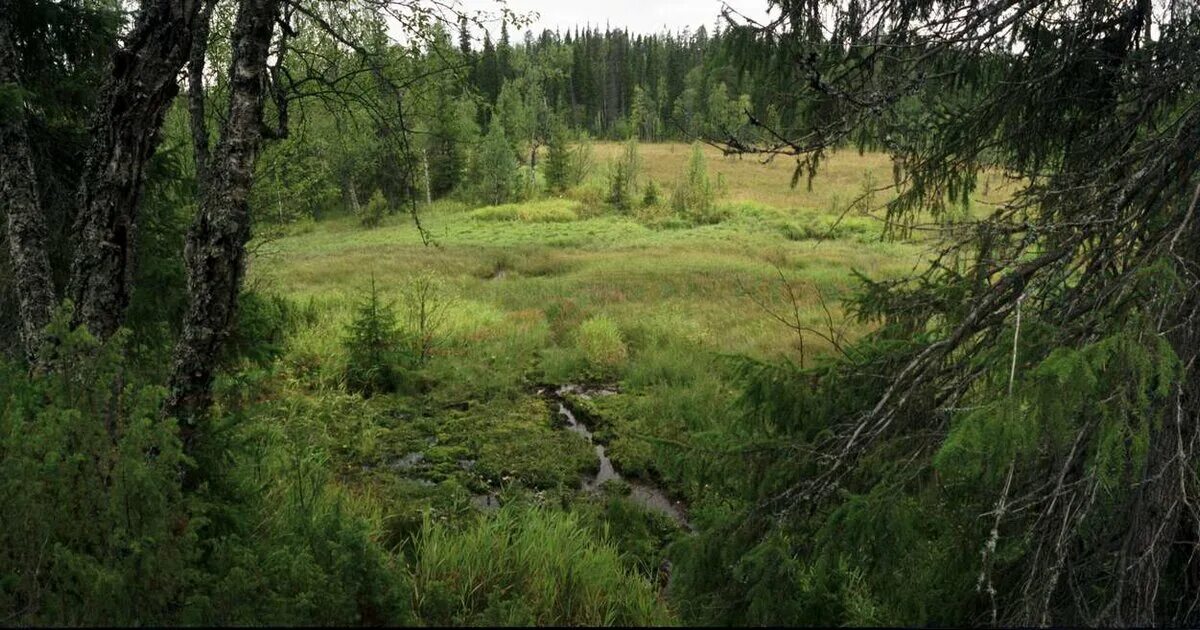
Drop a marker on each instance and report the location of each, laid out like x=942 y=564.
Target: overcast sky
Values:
x=639 y=16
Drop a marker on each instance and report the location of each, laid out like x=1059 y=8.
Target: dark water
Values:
x=646 y=495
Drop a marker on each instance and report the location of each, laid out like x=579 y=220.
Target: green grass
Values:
x=559 y=291
x=633 y=300
x=528 y=567
x=547 y=211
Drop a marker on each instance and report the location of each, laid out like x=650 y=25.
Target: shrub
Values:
x=583 y=161
x=96 y=528
x=591 y=195
x=695 y=194
x=623 y=175
x=810 y=227
x=558 y=159
x=600 y=340
x=371 y=215
x=650 y=194
x=566 y=166
x=425 y=309
x=292 y=548
x=373 y=347
x=99 y=529
x=259 y=334
x=494 y=169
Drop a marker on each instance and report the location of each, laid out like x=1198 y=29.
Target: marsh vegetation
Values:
x=334 y=313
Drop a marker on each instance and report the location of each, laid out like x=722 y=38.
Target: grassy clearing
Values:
x=563 y=291
x=845 y=176
x=601 y=297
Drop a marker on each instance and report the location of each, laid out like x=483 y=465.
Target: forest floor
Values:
x=530 y=297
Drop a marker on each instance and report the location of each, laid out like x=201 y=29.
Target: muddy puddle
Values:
x=644 y=494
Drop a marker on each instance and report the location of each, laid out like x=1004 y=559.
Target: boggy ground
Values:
x=564 y=291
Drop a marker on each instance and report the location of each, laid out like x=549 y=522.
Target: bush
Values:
x=623 y=175
x=695 y=194
x=261 y=328
x=426 y=307
x=583 y=161
x=566 y=166
x=371 y=215
x=373 y=348
x=810 y=227
x=600 y=340
x=558 y=159
x=96 y=528
x=592 y=196
x=494 y=169
x=650 y=194
x=294 y=549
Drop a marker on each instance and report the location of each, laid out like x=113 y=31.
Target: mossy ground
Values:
x=519 y=282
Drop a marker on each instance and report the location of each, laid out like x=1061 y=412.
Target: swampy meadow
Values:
x=559 y=358
x=395 y=312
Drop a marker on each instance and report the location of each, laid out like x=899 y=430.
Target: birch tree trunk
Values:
x=198 y=124
x=143 y=82
x=27 y=231
x=428 y=184
x=216 y=243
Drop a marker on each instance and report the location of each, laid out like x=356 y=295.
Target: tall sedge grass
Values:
x=527 y=565
x=547 y=211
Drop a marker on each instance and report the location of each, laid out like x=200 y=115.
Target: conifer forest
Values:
x=455 y=313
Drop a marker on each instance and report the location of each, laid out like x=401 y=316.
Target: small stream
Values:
x=648 y=496
x=643 y=493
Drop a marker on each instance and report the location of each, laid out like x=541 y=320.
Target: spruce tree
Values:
x=1017 y=437
x=695 y=194
x=558 y=159
x=373 y=346
x=452 y=130
x=624 y=177
x=494 y=168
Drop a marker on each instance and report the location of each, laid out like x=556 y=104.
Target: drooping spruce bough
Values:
x=1021 y=426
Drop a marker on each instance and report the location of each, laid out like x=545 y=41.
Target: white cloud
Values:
x=639 y=16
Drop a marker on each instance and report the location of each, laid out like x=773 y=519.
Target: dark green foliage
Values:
x=527 y=566
x=98 y=530
x=493 y=177
x=159 y=296
x=287 y=548
x=558 y=165
x=260 y=332
x=902 y=546
x=374 y=357
x=614 y=84
x=640 y=535
x=998 y=450
x=371 y=214
x=451 y=134
x=624 y=173
x=650 y=194
x=695 y=194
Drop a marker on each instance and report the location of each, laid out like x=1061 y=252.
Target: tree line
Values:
x=1014 y=443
